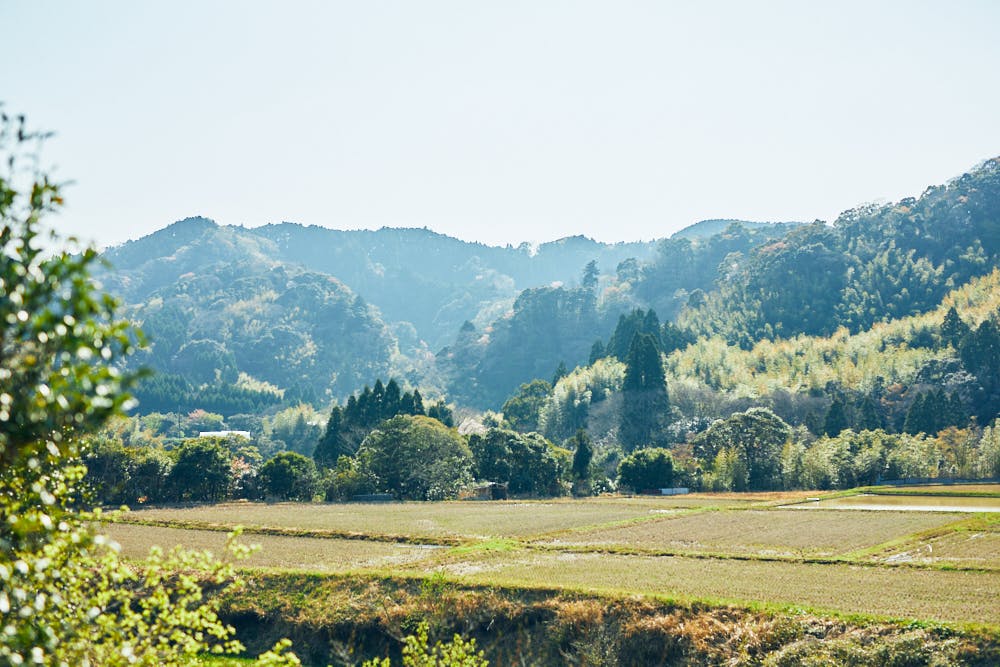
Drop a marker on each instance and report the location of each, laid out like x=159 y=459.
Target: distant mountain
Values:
x=429 y=280
x=709 y=228
x=321 y=312
x=216 y=304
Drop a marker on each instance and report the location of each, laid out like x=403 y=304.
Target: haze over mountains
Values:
x=321 y=312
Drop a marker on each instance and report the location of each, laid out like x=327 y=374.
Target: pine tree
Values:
x=953 y=329
x=352 y=413
x=596 y=351
x=582 y=456
x=418 y=403
x=406 y=404
x=869 y=418
x=957 y=413
x=378 y=402
x=330 y=445
x=442 y=413
x=980 y=354
x=367 y=408
x=590 y=276
x=836 y=418
x=391 y=399
x=644 y=394
x=561 y=372
x=651 y=325
x=673 y=337
x=918 y=417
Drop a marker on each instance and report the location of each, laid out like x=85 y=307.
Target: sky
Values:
x=498 y=122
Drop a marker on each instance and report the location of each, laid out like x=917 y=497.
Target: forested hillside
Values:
x=240 y=317
x=315 y=311
x=874 y=264
x=246 y=318
x=550 y=326
x=436 y=282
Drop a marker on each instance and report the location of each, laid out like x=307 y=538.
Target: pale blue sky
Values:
x=502 y=121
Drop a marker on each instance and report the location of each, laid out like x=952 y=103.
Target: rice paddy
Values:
x=474 y=520
x=924 y=565
x=948 y=596
x=777 y=532
x=294 y=553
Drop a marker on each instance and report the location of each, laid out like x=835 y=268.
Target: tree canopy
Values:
x=416 y=458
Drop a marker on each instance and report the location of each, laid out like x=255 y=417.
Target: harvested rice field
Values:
x=929 y=566
x=478 y=520
x=294 y=553
x=896 y=592
x=774 y=532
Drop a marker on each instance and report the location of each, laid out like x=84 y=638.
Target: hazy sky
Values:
x=503 y=121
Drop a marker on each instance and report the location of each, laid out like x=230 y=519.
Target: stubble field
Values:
x=927 y=566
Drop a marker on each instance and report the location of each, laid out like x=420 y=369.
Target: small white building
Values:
x=224 y=434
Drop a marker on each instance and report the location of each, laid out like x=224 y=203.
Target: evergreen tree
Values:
x=647 y=469
x=636 y=322
x=418 y=403
x=596 y=351
x=673 y=337
x=582 y=455
x=836 y=418
x=953 y=329
x=956 y=411
x=406 y=404
x=289 y=476
x=352 y=413
x=442 y=413
x=651 y=325
x=561 y=372
x=980 y=354
x=378 y=402
x=869 y=418
x=391 y=399
x=331 y=445
x=367 y=407
x=920 y=416
x=644 y=394
x=590 y=276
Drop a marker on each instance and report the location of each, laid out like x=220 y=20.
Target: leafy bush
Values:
x=644 y=469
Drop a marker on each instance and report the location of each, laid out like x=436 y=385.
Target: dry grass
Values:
x=888 y=592
x=300 y=553
x=440 y=519
x=783 y=533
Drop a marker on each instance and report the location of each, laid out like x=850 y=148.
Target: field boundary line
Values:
x=185 y=524
x=612 y=550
